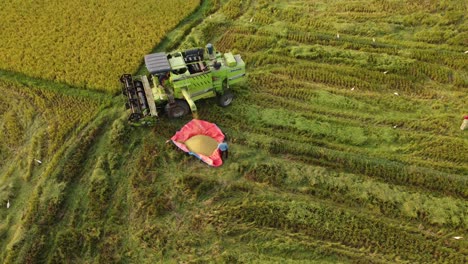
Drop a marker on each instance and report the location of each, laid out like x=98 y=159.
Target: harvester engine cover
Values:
x=176 y=80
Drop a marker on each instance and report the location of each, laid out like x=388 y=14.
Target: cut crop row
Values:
x=378 y=198
x=345 y=76
x=389 y=171
x=349 y=228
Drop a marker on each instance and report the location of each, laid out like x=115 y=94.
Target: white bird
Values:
x=385 y=72
x=466 y=52
x=373 y=39
x=251 y=20
x=38 y=161
x=395 y=93
x=395 y=126
x=8 y=204
x=338 y=35
x=458 y=237
x=352 y=89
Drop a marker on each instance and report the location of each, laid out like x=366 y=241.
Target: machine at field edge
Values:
x=178 y=79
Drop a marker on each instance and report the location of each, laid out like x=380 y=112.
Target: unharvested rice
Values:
x=202 y=144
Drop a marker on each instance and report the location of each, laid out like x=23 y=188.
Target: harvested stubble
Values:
x=202 y=144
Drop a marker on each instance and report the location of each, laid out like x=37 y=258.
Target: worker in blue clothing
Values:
x=223 y=148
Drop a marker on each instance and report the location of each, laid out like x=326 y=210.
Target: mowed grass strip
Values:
x=42 y=118
x=85 y=43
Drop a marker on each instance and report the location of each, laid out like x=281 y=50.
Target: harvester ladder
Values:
x=190 y=102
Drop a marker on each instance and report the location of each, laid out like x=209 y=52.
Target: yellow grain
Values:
x=202 y=144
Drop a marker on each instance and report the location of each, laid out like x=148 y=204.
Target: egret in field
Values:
x=458 y=237
x=8 y=204
x=38 y=161
x=337 y=35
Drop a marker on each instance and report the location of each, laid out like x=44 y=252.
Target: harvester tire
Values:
x=226 y=98
x=134 y=117
x=178 y=109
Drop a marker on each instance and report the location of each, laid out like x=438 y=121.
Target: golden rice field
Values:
x=344 y=142
x=86 y=44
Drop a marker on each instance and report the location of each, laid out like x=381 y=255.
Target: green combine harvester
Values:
x=176 y=80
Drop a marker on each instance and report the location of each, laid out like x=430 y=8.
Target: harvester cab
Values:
x=178 y=79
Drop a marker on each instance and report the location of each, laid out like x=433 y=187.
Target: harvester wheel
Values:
x=134 y=117
x=178 y=109
x=226 y=98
